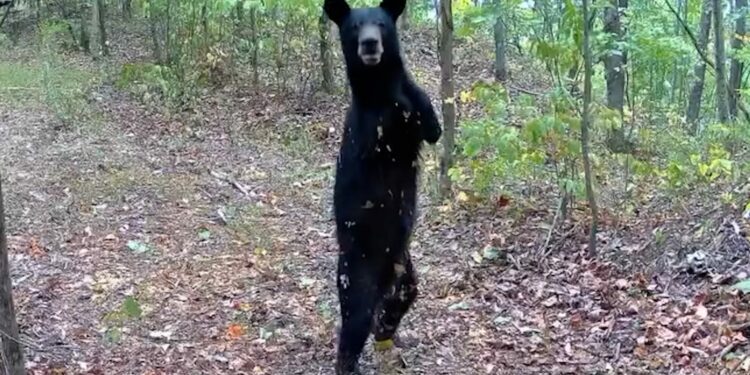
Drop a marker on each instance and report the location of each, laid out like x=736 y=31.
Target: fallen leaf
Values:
x=549 y=302
x=701 y=312
x=235 y=331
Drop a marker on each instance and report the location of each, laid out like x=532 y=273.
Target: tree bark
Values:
x=447 y=94
x=404 y=19
x=501 y=62
x=699 y=70
x=722 y=92
x=98 y=22
x=585 y=125
x=616 y=58
x=12 y=361
x=326 y=58
x=127 y=9
x=256 y=46
x=84 y=37
x=736 y=67
x=153 y=22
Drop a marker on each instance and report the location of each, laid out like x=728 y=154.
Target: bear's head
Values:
x=368 y=35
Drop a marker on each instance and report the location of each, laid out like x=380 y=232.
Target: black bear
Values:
x=375 y=193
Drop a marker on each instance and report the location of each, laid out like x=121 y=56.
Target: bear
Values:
x=375 y=189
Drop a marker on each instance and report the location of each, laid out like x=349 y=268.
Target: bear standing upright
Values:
x=375 y=194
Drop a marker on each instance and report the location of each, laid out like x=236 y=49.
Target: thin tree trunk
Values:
x=736 y=67
x=447 y=94
x=501 y=63
x=722 y=107
x=98 y=23
x=127 y=9
x=153 y=22
x=615 y=60
x=12 y=361
x=84 y=35
x=254 y=37
x=326 y=58
x=585 y=125
x=169 y=55
x=404 y=19
x=204 y=24
x=699 y=70
x=7 y=12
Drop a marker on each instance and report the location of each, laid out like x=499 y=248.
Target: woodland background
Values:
x=167 y=169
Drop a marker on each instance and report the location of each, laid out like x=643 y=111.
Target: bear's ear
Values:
x=393 y=7
x=336 y=10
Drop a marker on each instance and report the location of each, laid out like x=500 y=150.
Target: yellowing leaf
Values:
x=466 y=97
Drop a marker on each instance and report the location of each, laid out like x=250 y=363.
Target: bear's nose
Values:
x=369 y=45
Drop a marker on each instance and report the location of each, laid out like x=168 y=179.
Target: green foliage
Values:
x=151 y=82
x=130 y=309
x=501 y=156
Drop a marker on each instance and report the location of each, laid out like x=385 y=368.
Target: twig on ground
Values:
x=525 y=91
x=726 y=350
x=542 y=251
x=739 y=327
x=236 y=184
x=738 y=364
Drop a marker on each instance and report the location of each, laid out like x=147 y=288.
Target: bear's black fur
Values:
x=375 y=192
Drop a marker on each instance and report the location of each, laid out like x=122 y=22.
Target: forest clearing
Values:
x=168 y=167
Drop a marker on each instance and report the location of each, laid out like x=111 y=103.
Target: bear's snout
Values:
x=370 y=45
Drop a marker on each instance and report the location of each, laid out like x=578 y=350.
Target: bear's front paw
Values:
x=431 y=131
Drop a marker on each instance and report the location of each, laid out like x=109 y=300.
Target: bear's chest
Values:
x=394 y=136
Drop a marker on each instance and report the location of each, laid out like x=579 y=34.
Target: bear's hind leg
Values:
x=396 y=304
x=358 y=296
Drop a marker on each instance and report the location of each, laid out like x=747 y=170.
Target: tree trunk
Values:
x=127 y=9
x=256 y=47
x=153 y=22
x=501 y=63
x=585 y=125
x=98 y=22
x=12 y=354
x=736 y=67
x=84 y=38
x=404 y=19
x=699 y=70
x=326 y=58
x=447 y=94
x=615 y=60
x=722 y=92
x=166 y=15
x=204 y=22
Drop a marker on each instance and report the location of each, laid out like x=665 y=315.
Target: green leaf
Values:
x=131 y=308
x=459 y=306
x=502 y=320
x=265 y=334
x=490 y=253
x=138 y=247
x=113 y=335
x=743 y=286
x=204 y=234
x=306 y=281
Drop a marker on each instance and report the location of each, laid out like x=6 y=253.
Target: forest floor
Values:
x=144 y=243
